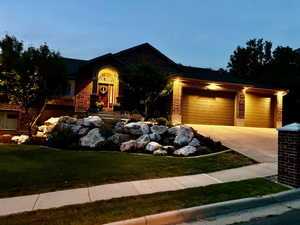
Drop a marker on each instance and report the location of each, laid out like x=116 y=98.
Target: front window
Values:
x=8 y=120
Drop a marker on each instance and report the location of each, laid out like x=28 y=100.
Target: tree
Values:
x=249 y=62
x=30 y=77
x=258 y=62
x=145 y=85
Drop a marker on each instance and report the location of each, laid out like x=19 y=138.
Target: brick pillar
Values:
x=289 y=155
x=176 y=117
x=240 y=109
x=278 y=110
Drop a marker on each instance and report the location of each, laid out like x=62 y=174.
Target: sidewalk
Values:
x=132 y=188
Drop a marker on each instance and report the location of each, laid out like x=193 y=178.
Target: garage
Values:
x=259 y=111
x=208 y=107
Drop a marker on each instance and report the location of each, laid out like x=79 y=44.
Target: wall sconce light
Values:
x=213 y=86
x=281 y=93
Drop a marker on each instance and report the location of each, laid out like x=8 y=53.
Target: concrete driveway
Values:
x=259 y=144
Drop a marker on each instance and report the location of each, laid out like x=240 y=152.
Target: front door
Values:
x=103 y=93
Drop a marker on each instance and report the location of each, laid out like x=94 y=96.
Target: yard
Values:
x=27 y=169
x=131 y=207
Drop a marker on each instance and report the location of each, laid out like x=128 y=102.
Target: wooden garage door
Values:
x=259 y=112
x=208 y=107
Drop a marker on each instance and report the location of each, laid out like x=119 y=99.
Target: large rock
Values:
x=75 y=128
x=169 y=148
x=195 y=142
x=119 y=127
x=155 y=137
x=160 y=152
x=153 y=146
x=159 y=129
x=184 y=135
x=83 y=131
x=118 y=138
x=92 y=139
x=92 y=121
x=185 y=151
x=67 y=119
x=128 y=146
x=22 y=139
x=136 y=128
x=52 y=121
x=143 y=140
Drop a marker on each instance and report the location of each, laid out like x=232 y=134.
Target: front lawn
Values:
x=131 y=207
x=26 y=169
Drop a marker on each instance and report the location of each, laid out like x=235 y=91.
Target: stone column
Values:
x=289 y=154
x=176 y=117
x=240 y=109
x=278 y=110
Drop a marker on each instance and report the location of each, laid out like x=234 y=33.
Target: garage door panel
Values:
x=259 y=111
x=204 y=107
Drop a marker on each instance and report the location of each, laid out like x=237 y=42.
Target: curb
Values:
x=202 y=212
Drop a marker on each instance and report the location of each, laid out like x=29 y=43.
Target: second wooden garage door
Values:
x=208 y=107
x=259 y=111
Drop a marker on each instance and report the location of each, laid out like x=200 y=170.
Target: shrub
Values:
x=162 y=121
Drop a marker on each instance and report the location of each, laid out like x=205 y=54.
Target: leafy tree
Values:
x=30 y=77
x=249 y=62
x=145 y=84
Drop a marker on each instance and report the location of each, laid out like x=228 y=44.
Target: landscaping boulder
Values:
x=136 y=128
x=128 y=146
x=119 y=127
x=52 y=121
x=159 y=129
x=160 y=152
x=79 y=122
x=169 y=148
x=20 y=139
x=194 y=142
x=155 y=137
x=75 y=128
x=119 y=138
x=184 y=135
x=173 y=130
x=185 y=151
x=153 y=146
x=92 y=121
x=92 y=139
x=143 y=140
x=67 y=119
x=83 y=131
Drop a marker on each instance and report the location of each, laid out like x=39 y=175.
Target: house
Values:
x=200 y=96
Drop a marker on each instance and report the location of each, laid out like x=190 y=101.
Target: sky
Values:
x=200 y=33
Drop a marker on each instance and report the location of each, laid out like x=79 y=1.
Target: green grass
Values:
x=131 y=207
x=26 y=169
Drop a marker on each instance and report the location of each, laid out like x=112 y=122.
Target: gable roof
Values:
x=72 y=66
x=125 y=57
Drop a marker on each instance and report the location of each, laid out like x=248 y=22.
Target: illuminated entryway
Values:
x=108 y=87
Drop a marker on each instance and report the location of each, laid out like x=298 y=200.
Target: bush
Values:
x=160 y=121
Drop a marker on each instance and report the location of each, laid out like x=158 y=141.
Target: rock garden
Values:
x=93 y=133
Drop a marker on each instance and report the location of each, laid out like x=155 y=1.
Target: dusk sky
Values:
x=193 y=32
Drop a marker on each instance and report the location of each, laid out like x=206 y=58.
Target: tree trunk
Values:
x=39 y=115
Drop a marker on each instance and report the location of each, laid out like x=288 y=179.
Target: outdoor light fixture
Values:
x=245 y=89
x=281 y=93
x=213 y=86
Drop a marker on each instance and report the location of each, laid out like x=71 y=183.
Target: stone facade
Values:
x=289 y=155
x=240 y=109
x=176 y=102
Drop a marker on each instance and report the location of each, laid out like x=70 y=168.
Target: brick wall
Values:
x=83 y=94
x=289 y=158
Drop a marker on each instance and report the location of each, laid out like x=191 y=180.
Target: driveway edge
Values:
x=205 y=211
